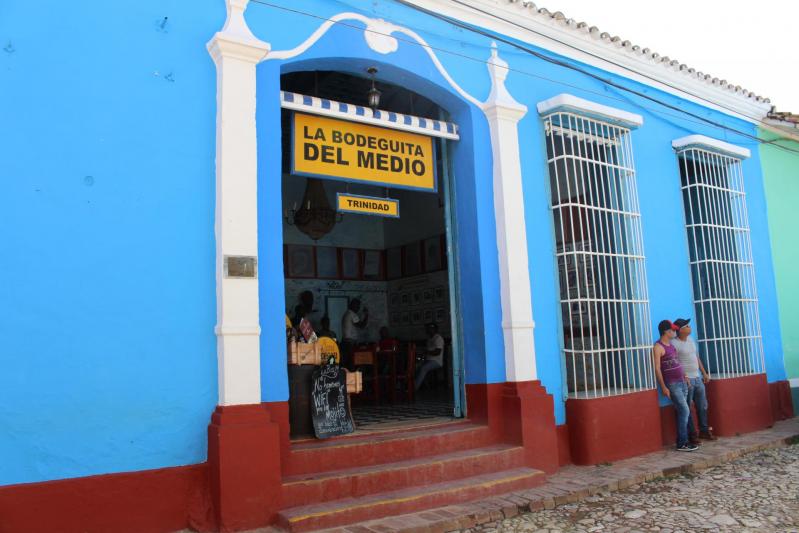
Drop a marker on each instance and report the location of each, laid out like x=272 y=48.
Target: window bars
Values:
x=722 y=269
x=607 y=339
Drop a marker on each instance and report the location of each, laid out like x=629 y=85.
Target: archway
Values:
x=461 y=216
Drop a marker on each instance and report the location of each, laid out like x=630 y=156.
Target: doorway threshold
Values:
x=389 y=418
x=387 y=429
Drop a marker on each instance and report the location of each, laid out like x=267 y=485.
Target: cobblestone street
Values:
x=757 y=492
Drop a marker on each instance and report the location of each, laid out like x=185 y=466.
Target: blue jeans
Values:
x=679 y=398
x=697 y=395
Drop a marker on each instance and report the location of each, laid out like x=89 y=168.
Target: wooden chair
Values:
x=366 y=356
x=387 y=351
x=403 y=378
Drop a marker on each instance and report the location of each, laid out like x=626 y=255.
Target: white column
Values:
x=504 y=113
x=236 y=51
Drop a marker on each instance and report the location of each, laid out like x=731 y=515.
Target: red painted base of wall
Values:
x=529 y=419
x=238 y=488
x=161 y=500
x=244 y=465
x=739 y=405
x=484 y=405
x=564 y=452
x=614 y=427
x=279 y=414
x=520 y=412
x=781 y=401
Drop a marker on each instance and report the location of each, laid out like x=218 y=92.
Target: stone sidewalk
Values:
x=575 y=483
x=755 y=493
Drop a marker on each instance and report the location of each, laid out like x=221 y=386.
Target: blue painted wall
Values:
x=106 y=229
x=531 y=81
x=107 y=303
x=665 y=241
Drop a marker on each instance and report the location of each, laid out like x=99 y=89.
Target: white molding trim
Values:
x=568 y=102
x=241 y=329
x=378 y=35
x=711 y=144
x=504 y=113
x=235 y=52
x=587 y=45
x=235 y=39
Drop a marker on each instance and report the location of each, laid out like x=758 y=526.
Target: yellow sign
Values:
x=329 y=349
x=367 y=205
x=339 y=149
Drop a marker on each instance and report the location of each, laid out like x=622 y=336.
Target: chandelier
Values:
x=315 y=217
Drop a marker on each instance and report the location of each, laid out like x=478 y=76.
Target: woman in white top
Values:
x=434 y=354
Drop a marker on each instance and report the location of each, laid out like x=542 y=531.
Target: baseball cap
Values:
x=682 y=322
x=666 y=325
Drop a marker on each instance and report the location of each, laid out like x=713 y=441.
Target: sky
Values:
x=751 y=44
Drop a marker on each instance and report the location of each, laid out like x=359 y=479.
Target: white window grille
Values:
x=722 y=269
x=607 y=338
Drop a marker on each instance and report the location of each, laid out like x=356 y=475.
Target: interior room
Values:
x=396 y=267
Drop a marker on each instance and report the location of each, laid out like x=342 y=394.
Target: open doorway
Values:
x=383 y=287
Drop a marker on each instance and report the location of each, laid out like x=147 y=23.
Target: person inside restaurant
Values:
x=351 y=323
x=433 y=354
x=325 y=330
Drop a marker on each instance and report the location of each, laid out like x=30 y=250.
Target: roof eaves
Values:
x=614 y=42
x=554 y=32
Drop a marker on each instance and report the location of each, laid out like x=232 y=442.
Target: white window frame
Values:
x=600 y=256
x=720 y=249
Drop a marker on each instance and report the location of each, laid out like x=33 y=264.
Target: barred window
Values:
x=600 y=256
x=722 y=269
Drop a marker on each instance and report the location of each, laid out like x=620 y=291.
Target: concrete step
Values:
x=360 y=481
x=314 y=456
x=411 y=499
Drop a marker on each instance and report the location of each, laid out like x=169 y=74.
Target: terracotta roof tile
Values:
x=542 y=14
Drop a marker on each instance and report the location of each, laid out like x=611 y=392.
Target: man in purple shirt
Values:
x=672 y=381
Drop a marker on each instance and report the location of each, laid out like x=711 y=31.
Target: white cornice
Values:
x=568 y=102
x=711 y=144
x=578 y=41
x=235 y=40
x=222 y=45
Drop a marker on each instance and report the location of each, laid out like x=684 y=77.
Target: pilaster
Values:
x=503 y=114
x=236 y=51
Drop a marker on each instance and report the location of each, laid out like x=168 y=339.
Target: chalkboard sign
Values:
x=329 y=407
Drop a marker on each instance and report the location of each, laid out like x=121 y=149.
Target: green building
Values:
x=780 y=160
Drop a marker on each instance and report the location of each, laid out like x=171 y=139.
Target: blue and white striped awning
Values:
x=356 y=113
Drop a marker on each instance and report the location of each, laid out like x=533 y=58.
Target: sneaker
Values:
x=687 y=448
x=694 y=439
x=707 y=435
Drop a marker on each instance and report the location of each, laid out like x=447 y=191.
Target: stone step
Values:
x=360 y=481
x=415 y=498
x=314 y=456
